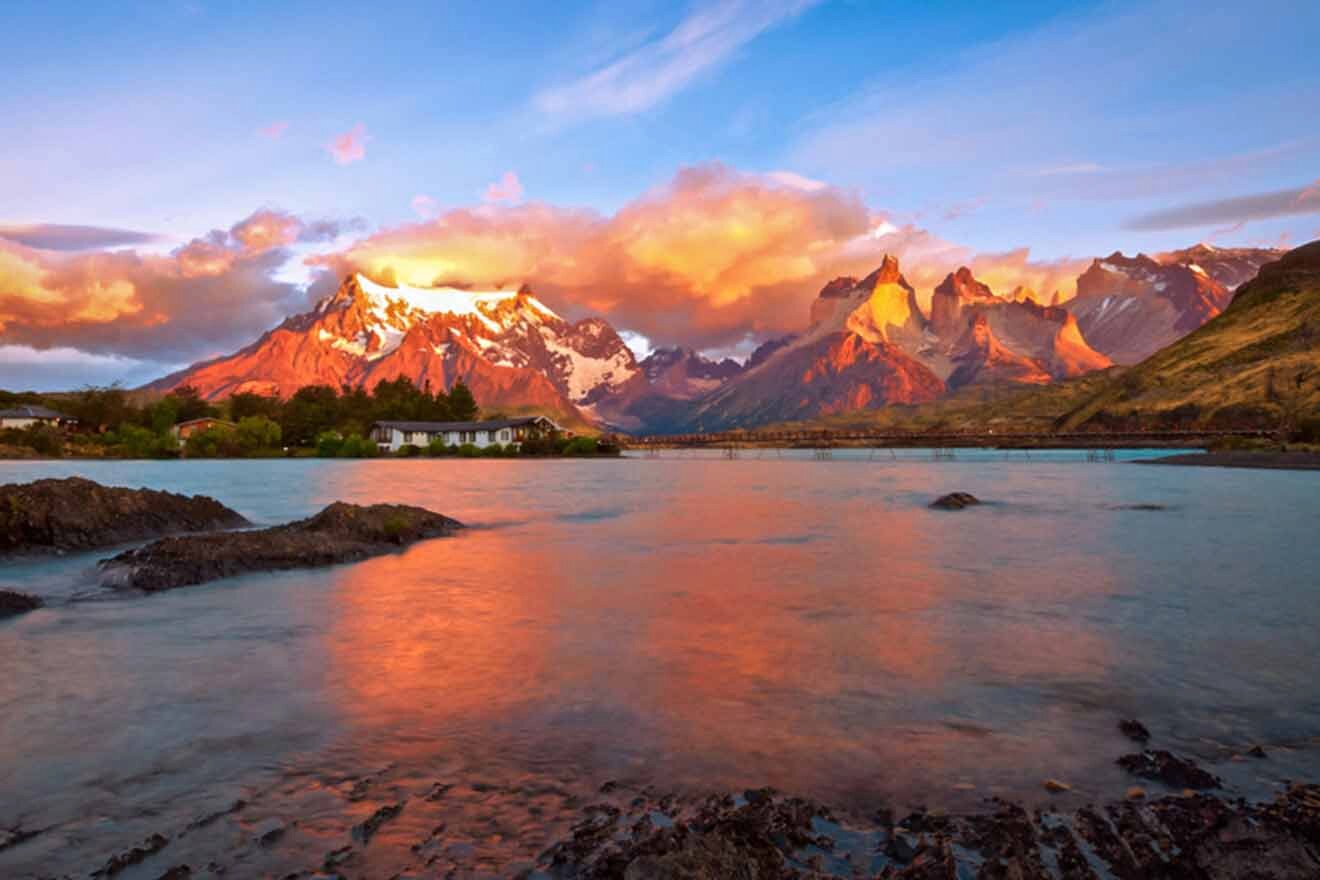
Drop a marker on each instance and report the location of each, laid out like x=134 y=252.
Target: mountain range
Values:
x=867 y=343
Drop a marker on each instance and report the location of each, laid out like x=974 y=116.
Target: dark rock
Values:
x=1168 y=768
x=1134 y=730
x=138 y=854
x=721 y=839
x=366 y=829
x=1257 y=752
x=955 y=501
x=12 y=603
x=269 y=831
x=16 y=835
x=339 y=533
x=210 y=818
x=178 y=872
x=76 y=514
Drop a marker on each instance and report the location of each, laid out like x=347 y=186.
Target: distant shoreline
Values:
x=1281 y=461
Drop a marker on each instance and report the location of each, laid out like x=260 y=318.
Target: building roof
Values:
x=213 y=419
x=442 y=427
x=32 y=412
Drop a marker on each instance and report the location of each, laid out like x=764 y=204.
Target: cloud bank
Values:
x=713 y=258
x=60 y=237
x=708 y=259
x=205 y=297
x=1235 y=211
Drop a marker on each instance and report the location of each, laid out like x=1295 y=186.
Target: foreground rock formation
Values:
x=762 y=834
x=339 y=533
x=77 y=514
x=12 y=603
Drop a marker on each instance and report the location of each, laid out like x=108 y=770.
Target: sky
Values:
x=179 y=175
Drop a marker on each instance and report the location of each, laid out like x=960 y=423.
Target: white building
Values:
x=27 y=416
x=391 y=436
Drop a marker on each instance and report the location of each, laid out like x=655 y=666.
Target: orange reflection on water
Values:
x=705 y=624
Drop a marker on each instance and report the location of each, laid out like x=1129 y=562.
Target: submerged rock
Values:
x=339 y=533
x=1168 y=768
x=13 y=603
x=1134 y=730
x=77 y=514
x=955 y=501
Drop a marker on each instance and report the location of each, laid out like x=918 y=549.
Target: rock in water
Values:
x=76 y=514
x=1134 y=730
x=1168 y=768
x=339 y=533
x=12 y=603
x=955 y=501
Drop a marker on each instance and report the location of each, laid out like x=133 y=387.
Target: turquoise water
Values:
x=690 y=621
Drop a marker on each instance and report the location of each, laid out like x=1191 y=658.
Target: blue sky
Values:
x=1074 y=129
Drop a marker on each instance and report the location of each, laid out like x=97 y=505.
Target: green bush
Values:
x=357 y=446
x=328 y=443
x=215 y=442
x=409 y=450
x=133 y=441
x=255 y=433
x=42 y=439
x=494 y=450
x=539 y=446
x=437 y=448
x=580 y=446
x=469 y=450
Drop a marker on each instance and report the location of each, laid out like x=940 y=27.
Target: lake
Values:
x=688 y=622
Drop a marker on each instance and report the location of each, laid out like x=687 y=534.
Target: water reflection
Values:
x=694 y=624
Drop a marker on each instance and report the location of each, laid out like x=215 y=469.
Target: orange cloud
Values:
x=207 y=296
x=349 y=147
x=507 y=189
x=713 y=258
x=708 y=259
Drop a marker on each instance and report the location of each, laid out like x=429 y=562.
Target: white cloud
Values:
x=652 y=72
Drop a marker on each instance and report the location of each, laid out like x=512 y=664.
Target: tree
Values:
x=357 y=446
x=163 y=414
x=98 y=409
x=247 y=403
x=328 y=443
x=256 y=433
x=190 y=404
x=462 y=405
x=217 y=441
x=312 y=410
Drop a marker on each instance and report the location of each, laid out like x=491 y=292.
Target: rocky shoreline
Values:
x=13 y=603
x=339 y=533
x=1285 y=461
x=397 y=822
x=75 y=514
x=638 y=832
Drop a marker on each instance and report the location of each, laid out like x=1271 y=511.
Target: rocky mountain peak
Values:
x=888 y=273
x=954 y=294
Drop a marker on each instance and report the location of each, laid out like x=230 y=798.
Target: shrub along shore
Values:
x=316 y=421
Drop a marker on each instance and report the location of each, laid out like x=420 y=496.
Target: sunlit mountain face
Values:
x=864 y=343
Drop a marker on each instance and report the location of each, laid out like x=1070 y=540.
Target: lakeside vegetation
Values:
x=316 y=421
